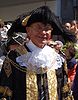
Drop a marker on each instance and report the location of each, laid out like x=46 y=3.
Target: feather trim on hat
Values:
x=24 y=22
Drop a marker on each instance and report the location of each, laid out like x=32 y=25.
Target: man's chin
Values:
x=41 y=45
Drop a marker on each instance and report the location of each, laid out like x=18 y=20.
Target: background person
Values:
x=71 y=62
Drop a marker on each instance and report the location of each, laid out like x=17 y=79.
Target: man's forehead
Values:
x=41 y=24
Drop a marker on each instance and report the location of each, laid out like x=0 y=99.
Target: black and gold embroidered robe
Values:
x=27 y=85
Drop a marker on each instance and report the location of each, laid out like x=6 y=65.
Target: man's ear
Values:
x=28 y=29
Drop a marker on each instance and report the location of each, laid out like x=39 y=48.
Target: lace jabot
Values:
x=39 y=60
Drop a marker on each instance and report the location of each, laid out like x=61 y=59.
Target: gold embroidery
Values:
x=21 y=50
x=66 y=88
x=31 y=86
x=5 y=91
x=7 y=67
x=52 y=84
x=17 y=66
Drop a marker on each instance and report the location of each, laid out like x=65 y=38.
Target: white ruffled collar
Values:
x=31 y=46
x=39 y=58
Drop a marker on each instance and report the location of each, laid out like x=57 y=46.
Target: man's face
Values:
x=39 y=33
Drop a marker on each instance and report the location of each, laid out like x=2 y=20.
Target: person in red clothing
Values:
x=71 y=62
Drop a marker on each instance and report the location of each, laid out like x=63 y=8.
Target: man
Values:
x=31 y=74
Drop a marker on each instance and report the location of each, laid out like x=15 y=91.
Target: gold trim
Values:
x=7 y=67
x=6 y=91
x=31 y=86
x=17 y=66
x=52 y=88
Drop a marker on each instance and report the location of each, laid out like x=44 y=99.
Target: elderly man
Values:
x=29 y=70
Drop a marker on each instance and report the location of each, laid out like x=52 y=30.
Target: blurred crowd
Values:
x=3 y=30
x=72 y=26
x=3 y=38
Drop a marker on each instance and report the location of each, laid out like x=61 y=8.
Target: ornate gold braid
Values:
x=6 y=91
x=16 y=65
x=21 y=50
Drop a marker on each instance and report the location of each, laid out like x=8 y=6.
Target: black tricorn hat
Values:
x=45 y=15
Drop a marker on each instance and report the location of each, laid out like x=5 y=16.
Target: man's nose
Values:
x=47 y=34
